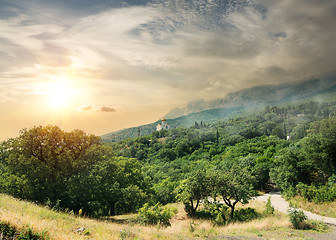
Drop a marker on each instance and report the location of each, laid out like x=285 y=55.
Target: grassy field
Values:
x=58 y=225
x=327 y=209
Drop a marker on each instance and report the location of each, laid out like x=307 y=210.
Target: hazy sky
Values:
x=103 y=65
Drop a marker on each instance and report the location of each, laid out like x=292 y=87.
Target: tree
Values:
x=73 y=169
x=311 y=160
x=320 y=146
x=261 y=171
x=234 y=185
x=290 y=168
x=192 y=190
x=164 y=191
x=45 y=157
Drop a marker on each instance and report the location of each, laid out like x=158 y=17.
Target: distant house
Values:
x=163 y=125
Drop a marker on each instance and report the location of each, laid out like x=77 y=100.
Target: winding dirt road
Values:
x=280 y=204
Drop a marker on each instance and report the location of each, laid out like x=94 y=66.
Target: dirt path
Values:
x=281 y=205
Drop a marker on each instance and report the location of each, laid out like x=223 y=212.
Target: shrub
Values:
x=29 y=235
x=246 y=214
x=216 y=212
x=269 y=209
x=155 y=215
x=318 y=226
x=289 y=192
x=324 y=193
x=9 y=232
x=296 y=217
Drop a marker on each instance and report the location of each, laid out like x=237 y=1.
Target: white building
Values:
x=163 y=125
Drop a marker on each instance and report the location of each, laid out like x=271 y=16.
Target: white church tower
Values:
x=163 y=125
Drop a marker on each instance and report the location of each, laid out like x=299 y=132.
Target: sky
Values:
x=104 y=65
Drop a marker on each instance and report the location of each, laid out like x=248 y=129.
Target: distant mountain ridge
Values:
x=245 y=100
x=260 y=95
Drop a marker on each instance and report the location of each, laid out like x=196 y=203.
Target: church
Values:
x=163 y=125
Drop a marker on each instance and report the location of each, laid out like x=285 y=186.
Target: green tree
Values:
x=233 y=185
x=192 y=190
x=320 y=146
x=46 y=157
x=165 y=191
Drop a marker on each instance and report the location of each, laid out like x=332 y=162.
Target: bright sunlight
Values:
x=60 y=95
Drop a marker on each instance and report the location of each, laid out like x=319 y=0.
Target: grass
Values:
x=326 y=209
x=58 y=225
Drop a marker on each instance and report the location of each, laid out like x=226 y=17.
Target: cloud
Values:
x=107 y=109
x=90 y=107
x=178 y=50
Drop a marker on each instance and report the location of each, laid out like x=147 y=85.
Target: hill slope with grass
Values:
x=50 y=224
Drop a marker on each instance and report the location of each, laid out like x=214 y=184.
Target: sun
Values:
x=60 y=95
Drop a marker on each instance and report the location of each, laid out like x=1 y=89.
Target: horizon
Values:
x=104 y=66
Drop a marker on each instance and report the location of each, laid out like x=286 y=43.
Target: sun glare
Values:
x=60 y=95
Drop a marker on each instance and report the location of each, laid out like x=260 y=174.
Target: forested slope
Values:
x=77 y=171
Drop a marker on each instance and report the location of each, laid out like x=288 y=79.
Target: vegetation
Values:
x=223 y=163
x=9 y=232
x=296 y=217
x=70 y=171
x=59 y=225
x=324 y=209
x=269 y=209
x=156 y=215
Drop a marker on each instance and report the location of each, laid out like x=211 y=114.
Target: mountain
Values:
x=322 y=88
x=260 y=95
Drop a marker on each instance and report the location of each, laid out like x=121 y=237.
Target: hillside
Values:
x=58 y=225
x=239 y=103
x=75 y=173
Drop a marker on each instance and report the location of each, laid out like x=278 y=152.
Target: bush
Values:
x=29 y=235
x=9 y=232
x=324 y=193
x=215 y=211
x=318 y=226
x=269 y=209
x=296 y=217
x=246 y=214
x=155 y=215
x=290 y=192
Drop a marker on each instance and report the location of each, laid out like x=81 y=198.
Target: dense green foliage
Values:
x=156 y=215
x=230 y=159
x=70 y=170
x=317 y=194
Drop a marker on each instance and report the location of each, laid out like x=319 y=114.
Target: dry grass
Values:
x=327 y=209
x=62 y=226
